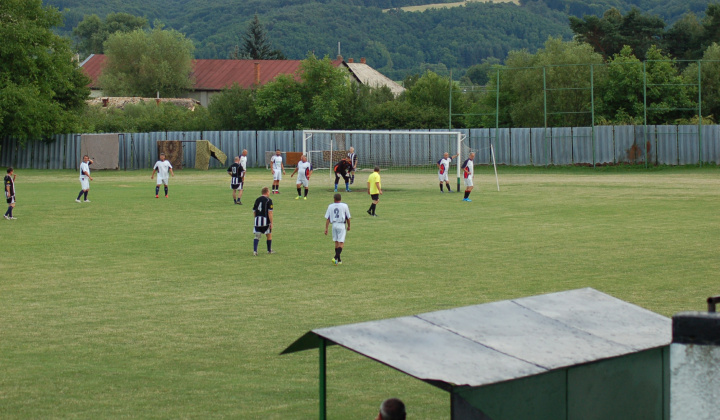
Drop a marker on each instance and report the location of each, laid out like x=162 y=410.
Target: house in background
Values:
x=212 y=76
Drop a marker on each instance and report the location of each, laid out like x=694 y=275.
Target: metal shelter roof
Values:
x=501 y=341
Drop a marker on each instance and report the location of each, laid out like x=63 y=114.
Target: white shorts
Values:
x=84 y=183
x=277 y=175
x=443 y=177
x=469 y=181
x=304 y=181
x=338 y=232
x=162 y=180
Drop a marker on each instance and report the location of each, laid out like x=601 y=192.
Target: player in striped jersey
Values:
x=443 y=169
x=237 y=173
x=354 y=161
x=9 y=183
x=468 y=172
x=338 y=214
x=263 y=217
x=304 y=170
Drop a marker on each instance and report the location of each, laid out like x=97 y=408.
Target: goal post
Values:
x=397 y=151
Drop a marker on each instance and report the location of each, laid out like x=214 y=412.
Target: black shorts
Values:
x=375 y=197
x=262 y=229
x=343 y=175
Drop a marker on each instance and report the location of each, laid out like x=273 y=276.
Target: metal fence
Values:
x=600 y=145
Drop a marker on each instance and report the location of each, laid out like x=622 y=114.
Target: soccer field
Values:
x=131 y=306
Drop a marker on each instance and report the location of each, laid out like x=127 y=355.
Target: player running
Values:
x=278 y=170
x=263 y=214
x=468 y=172
x=338 y=214
x=443 y=169
x=342 y=169
x=237 y=174
x=304 y=169
x=162 y=167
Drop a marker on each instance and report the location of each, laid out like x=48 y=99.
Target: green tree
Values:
x=479 y=74
x=41 y=88
x=279 y=104
x=142 y=63
x=234 y=109
x=92 y=32
x=710 y=77
x=433 y=91
x=256 y=44
x=684 y=38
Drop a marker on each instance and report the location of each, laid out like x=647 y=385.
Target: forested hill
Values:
x=397 y=43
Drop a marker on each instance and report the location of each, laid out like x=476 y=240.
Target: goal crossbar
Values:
x=331 y=147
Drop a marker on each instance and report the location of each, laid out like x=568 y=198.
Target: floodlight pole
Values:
x=323 y=381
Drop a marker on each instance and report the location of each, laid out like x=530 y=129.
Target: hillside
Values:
x=396 y=42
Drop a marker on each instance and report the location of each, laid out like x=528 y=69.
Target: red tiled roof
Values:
x=216 y=74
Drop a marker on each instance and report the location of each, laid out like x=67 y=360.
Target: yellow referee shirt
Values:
x=374 y=181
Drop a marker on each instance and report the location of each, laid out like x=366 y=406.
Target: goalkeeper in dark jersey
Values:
x=342 y=169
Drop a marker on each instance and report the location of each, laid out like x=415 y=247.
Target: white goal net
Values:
x=395 y=151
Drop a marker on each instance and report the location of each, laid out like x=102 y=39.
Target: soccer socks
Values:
x=336 y=187
x=372 y=209
x=86 y=193
x=441 y=187
x=157 y=189
x=300 y=193
x=339 y=251
x=166 y=190
x=8 y=213
x=306 y=191
x=255 y=244
x=467 y=194
x=347 y=186
x=448 y=187
x=80 y=195
x=337 y=254
x=269 y=244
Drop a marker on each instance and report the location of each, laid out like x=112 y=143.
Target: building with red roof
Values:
x=212 y=76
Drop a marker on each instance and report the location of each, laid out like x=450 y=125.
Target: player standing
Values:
x=468 y=171
x=162 y=167
x=304 y=170
x=443 y=169
x=341 y=170
x=85 y=178
x=375 y=190
x=353 y=161
x=237 y=173
x=263 y=214
x=9 y=182
x=243 y=162
x=278 y=170
x=338 y=214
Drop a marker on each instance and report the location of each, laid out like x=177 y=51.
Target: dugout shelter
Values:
x=573 y=355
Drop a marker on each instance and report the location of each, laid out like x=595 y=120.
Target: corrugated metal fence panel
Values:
x=58 y=152
x=418 y=149
x=40 y=155
x=502 y=147
x=6 y=143
x=582 y=145
x=480 y=139
x=561 y=146
x=440 y=144
x=189 y=150
x=604 y=144
x=229 y=141
x=539 y=147
x=399 y=146
x=645 y=144
x=380 y=150
x=520 y=146
x=688 y=145
x=624 y=141
x=711 y=144
x=667 y=145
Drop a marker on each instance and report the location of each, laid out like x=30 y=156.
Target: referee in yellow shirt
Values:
x=374 y=190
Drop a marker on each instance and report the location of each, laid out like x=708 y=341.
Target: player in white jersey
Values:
x=243 y=163
x=468 y=172
x=304 y=169
x=85 y=178
x=443 y=169
x=162 y=167
x=338 y=214
x=278 y=170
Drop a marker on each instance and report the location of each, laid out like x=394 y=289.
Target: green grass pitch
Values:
x=136 y=307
